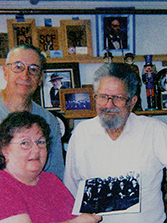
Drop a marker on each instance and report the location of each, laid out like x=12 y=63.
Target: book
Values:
x=111 y=195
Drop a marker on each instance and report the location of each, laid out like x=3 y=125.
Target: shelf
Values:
x=88 y=59
x=151 y=113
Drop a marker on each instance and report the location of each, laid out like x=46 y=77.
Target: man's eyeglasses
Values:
x=118 y=101
x=18 y=67
x=115 y=26
x=27 y=144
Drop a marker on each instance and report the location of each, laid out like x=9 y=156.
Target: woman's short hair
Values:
x=121 y=71
x=17 y=121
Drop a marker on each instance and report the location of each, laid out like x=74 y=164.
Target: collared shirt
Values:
x=142 y=146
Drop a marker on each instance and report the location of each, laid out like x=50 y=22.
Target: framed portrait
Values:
x=58 y=76
x=115 y=33
x=77 y=102
x=49 y=38
x=76 y=38
x=21 y=32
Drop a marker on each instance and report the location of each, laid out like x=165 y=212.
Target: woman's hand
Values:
x=86 y=218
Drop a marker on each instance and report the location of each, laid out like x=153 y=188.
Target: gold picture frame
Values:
x=76 y=38
x=77 y=103
x=21 y=32
x=48 y=38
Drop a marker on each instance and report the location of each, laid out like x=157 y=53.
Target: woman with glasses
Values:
x=29 y=195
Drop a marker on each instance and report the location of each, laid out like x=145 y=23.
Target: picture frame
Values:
x=4 y=45
x=124 y=41
x=49 y=38
x=21 y=32
x=164 y=100
x=77 y=103
x=76 y=38
x=62 y=75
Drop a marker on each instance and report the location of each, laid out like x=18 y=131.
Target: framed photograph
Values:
x=21 y=32
x=115 y=33
x=58 y=76
x=164 y=100
x=77 y=102
x=4 y=45
x=76 y=38
x=49 y=38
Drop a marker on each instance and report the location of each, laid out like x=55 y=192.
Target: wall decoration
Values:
x=58 y=76
x=21 y=32
x=77 y=102
x=115 y=33
x=76 y=38
x=4 y=45
x=49 y=38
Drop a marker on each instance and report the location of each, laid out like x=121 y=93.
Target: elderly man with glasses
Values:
x=117 y=142
x=23 y=73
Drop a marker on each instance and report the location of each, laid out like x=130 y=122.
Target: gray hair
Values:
x=28 y=47
x=120 y=71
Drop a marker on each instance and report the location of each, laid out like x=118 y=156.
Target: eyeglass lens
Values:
x=28 y=144
x=19 y=67
x=116 y=100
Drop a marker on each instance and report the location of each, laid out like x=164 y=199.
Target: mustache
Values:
x=23 y=82
x=111 y=110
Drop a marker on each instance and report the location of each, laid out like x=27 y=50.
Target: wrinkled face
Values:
x=111 y=116
x=22 y=83
x=22 y=160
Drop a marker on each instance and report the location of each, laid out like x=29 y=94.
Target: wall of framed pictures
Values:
x=91 y=44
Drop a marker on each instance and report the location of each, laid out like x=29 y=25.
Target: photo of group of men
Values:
x=110 y=194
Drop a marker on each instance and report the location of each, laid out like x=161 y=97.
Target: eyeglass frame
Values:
x=112 y=98
x=31 y=144
x=25 y=68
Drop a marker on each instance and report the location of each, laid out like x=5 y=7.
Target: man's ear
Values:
x=5 y=74
x=40 y=79
x=133 y=102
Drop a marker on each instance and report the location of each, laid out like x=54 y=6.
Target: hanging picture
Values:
x=115 y=33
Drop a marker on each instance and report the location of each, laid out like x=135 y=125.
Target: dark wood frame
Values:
x=73 y=68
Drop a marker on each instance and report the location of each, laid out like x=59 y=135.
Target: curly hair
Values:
x=121 y=71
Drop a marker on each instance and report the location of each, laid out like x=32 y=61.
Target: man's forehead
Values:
x=21 y=54
x=115 y=22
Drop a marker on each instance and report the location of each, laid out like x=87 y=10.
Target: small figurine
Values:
x=128 y=59
x=149 y=78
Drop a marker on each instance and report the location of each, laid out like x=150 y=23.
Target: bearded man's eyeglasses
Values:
x=118 y=101
x=18 y=67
